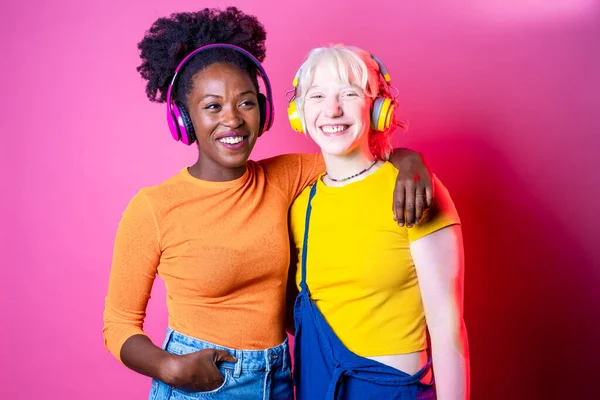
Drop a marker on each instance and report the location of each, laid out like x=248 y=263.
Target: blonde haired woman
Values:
x=369 y=289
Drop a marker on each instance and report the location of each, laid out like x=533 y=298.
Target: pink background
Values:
x=499 y=94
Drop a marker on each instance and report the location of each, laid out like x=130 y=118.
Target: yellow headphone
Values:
x=381 y=113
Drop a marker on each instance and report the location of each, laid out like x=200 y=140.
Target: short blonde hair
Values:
x=353 y=66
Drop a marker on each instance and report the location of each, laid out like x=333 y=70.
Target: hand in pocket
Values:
x=198 y=371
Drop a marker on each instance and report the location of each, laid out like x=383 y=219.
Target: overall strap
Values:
x=313 y=190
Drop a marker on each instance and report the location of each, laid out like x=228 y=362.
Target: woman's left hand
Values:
x=413 y=193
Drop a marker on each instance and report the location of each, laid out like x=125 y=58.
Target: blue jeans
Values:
x=257 y=374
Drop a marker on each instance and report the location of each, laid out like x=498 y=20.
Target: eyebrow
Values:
x=247 y=92
x=210 y=95
x=215 y=96
x=347 y=86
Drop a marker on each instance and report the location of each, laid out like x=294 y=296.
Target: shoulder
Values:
x=289 y=162
x=442 y=200
x=441 y=214
x=165 y=192
x=384 y=179
x=167 y=184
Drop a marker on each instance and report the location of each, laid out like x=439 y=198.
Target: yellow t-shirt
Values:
x=359 y=268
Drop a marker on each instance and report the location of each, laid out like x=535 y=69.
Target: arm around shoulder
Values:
x=294 y=172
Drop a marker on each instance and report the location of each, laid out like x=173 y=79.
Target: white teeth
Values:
x=231 y=140
x=333 y=128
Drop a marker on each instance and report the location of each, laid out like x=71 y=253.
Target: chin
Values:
x=334 y=149
x=234 y=162
x=335 y=152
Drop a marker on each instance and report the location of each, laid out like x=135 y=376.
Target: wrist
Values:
x=169 y=370
x=402 y=155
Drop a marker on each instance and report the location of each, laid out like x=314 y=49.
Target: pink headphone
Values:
x=180 y=123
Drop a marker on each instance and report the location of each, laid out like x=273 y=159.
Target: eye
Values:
x=316 y=96
x=351 y=94
x=248 y=104
x=212 y=106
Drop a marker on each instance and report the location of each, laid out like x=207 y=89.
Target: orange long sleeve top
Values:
x=222 y=249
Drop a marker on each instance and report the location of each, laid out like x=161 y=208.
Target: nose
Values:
x=231 y=118
x=332 y=108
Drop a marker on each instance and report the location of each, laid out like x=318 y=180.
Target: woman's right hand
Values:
x=198 y=371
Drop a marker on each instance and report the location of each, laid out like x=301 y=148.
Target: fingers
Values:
x=409 y=203
x=213 y=377
x=428 y=196
x=419 y=202
x=426 y=178
x=222 y=355
x=212 y=381
x=399 y=203
x=199 y=372
x=429 y=190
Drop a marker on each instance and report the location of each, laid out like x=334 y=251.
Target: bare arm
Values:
x=439 y=263
x=141 y=355
x=192 y=372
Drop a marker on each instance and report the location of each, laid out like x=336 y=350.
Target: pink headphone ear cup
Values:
x=262 y=108
x=184 y=123
x=172 y=121
x=267 y=114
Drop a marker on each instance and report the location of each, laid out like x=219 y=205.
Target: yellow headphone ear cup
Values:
x=381 y=115
x=294 y=117
x=388 y=120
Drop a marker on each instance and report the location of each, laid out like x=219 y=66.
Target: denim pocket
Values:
x=179 y=394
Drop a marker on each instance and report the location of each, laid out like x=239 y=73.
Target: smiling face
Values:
x=336 y=113
x=335 y=89
x=223 y=106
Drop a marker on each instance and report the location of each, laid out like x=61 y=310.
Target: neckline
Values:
x=185 y=173
x=322 y=187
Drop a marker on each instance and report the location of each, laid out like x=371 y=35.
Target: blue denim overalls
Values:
x=326 y=369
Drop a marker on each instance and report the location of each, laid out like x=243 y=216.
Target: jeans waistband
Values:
x=249 y=360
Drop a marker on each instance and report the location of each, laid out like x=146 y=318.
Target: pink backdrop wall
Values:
x=500 y=96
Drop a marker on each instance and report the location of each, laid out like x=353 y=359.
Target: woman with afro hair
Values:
x=217 y=231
